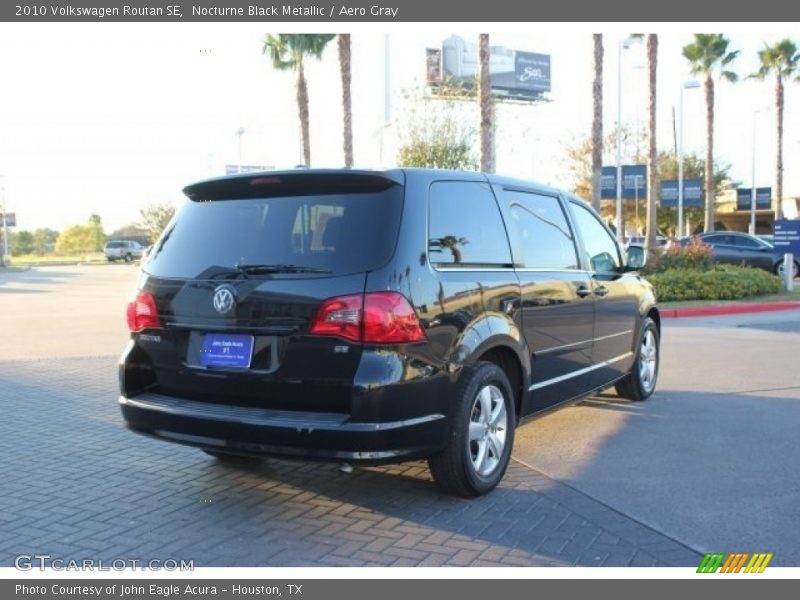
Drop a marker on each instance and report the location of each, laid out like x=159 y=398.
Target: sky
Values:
x=109 y=117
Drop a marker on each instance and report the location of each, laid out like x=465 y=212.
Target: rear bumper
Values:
x=290 y=434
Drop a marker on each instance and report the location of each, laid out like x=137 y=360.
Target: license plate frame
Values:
x=227 y=351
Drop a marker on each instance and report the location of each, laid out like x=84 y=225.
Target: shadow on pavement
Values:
x=78 y=484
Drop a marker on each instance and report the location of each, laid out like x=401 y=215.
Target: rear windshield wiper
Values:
x=256 y=269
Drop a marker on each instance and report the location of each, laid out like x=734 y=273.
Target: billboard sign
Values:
x=763 y=198
x=634 y=182
x=786 y=238
x=10 y=219
x=512 y=72
x=693 y=193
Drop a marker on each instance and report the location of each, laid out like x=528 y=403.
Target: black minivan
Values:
x=381 y=316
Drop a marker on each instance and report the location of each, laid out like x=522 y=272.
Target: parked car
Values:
x=738 y=248
x=126 y=250
x=640 y=240
x=766 y=237
x=371 y=317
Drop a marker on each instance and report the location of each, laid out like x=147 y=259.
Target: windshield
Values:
x=331 y=233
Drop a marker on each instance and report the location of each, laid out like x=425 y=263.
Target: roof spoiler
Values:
x=271 y=184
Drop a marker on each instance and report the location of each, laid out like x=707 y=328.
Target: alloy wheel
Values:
x=648 y=361
x=488 y=427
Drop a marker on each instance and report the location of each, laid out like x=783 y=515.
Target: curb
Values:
x=728 y=309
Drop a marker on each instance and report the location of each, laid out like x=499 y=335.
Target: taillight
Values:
x=389 y=319
x=340 y=317
x=142 y=313
x=373 y=318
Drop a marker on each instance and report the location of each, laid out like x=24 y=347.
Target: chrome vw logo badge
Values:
x=224 y=299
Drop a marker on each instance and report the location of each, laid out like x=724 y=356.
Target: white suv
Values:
x=126 y=250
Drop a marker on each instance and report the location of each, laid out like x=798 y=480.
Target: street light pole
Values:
x=753 y=174
x=618 y=220
x=686 y=85
x=624 y=44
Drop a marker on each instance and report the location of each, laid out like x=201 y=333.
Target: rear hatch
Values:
x=237 y=279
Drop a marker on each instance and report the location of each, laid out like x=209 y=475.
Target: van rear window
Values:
x=338 y=233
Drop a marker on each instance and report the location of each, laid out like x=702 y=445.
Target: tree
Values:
x=288 y=52
x=693 y=168
x=783 y=61
x=347 y=105
x=579 y=157
x=131 y=231
x=653 y=181
x=486 y=105
x=597 y=120
x=77 y=239
x=154 y=218
x=96 y=232
x=578 y=165
x=20 y=242
x=435 y=131
x=708 y=56
x=44 y=241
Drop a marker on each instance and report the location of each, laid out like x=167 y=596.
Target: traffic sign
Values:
x=763 y=198
x=693 y=193
x=634 y=182
x=786 y=238
x=10 y=220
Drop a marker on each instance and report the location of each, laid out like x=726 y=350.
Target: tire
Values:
x=128 y=258
x=778 y=270
x=641 y=382
x=473 y=467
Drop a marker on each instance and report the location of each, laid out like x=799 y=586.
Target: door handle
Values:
x=583 y=291
x=601 y=291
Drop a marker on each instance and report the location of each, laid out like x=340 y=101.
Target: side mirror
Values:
x=637 y=258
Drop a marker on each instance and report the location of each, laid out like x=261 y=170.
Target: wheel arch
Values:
x=511 y=361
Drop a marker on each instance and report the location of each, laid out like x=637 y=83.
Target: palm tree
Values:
x=652 y=151
x=707 y=55
x=288 y=51
x=485 y=100
x=597 y=121
x=347 y=105
x=782 y=60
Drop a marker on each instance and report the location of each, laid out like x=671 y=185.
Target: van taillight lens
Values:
x=389 y=319
x=142 y=313
x=373 y=318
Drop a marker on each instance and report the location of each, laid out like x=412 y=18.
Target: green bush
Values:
x=718 y=283
x=695 y=255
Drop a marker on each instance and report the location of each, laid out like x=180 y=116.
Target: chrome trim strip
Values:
x=473 y=270
x=509 y=269
x=263 y=417
x=579 y=372
x=539 y=270
x=592 y=340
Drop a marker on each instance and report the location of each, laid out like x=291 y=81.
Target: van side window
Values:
x=601 y=247
x=465 y=227
x=541 y=235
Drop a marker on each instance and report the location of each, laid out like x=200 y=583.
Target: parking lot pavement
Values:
x=603 y=483
x=711 y=459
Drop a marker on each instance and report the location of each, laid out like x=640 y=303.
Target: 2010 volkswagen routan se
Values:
x=381 y=316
